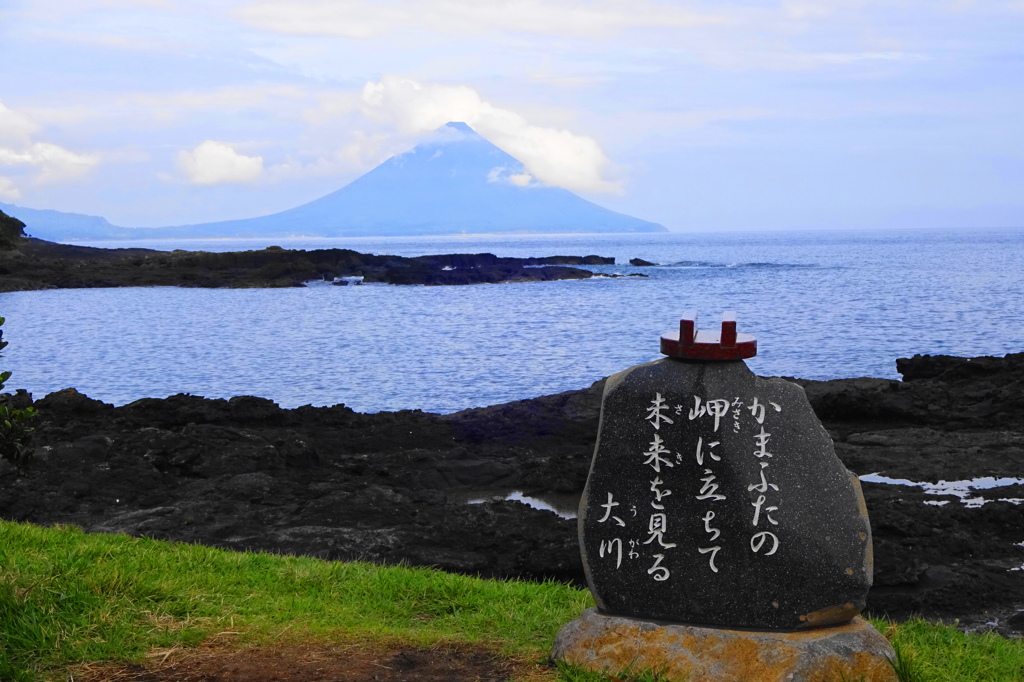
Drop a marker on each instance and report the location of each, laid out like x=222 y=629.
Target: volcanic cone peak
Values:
x=455 y=182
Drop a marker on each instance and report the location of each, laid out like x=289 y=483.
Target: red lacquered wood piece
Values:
x=693 y=344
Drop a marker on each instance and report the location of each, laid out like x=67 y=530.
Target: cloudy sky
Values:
x=750 y=114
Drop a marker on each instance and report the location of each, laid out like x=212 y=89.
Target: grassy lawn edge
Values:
x=69 y=598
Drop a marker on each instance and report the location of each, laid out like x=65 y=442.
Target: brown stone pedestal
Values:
x=855 y=651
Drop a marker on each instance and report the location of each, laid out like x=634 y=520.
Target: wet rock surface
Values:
x=390 y=487
x=37 y=264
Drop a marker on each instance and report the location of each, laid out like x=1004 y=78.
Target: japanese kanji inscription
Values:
x=715 y=498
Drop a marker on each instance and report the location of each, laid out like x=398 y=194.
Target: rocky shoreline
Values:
x=394 y=487
x=36 y=264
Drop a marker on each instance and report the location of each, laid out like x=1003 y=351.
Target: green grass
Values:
x=67 y=598
x=931 y=653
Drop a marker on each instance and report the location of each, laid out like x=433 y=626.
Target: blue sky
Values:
x=698 y=115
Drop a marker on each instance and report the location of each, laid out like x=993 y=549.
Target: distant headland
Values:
x=456 y=183
x=28 y=264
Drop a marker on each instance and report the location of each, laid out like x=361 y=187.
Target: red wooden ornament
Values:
x=691 y=344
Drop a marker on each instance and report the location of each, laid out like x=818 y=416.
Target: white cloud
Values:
x=364 y=19
x=54 y=163
x=784 y=59
x=135 y=111
x=802 y=10
x=570 y=80
x=222 y=99
x=501 y=174
x=8 y=191
x=553 y=156
x=214 y=163
x=331 y=106
x=367 y=149
x=15 y=127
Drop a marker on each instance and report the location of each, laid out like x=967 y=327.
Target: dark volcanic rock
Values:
x=37 y=264
x=640 y=262
x=391 y=487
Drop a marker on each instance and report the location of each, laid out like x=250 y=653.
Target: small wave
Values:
x=961 y=489
x=758 y=265
x=695 y=264
x=535 y=502
x=786 y=266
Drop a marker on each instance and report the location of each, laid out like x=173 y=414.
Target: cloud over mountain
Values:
x=455 y=182
x=553 y=156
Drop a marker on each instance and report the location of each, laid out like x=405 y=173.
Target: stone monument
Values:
x=721 y=537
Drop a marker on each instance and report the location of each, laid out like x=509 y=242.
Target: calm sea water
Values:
x=822 y=305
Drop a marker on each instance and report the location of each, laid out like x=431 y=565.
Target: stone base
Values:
x=614 y=644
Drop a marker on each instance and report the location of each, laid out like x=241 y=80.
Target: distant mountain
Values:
x=456 y=183
x=59 y=226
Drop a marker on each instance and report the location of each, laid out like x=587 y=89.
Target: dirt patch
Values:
x=322 y=663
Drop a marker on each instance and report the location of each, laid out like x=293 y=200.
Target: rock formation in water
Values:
x=37 y=264
x=394 y=486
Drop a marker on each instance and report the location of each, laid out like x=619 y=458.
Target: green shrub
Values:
x=15 y=432
x=12 y=232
